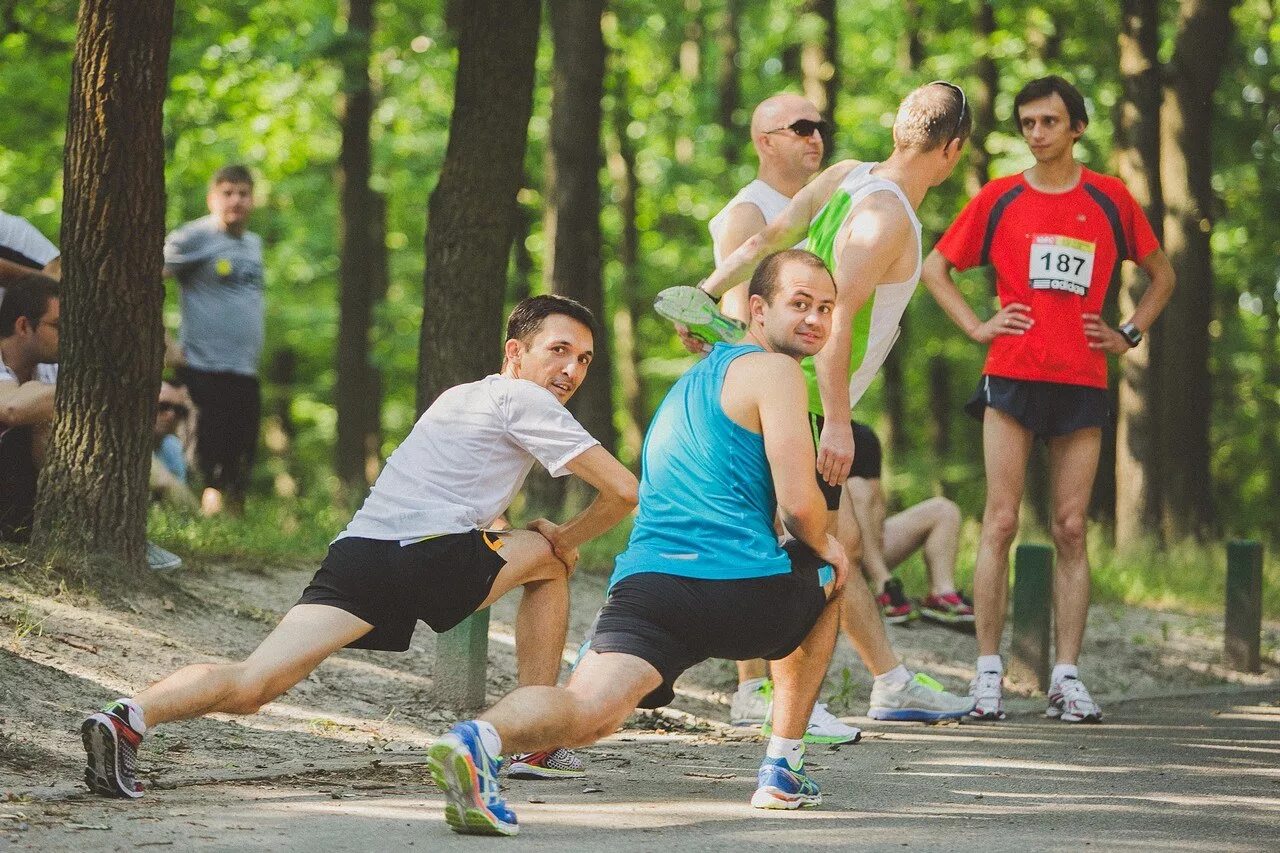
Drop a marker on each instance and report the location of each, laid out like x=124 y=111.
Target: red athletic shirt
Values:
x=1058 y=253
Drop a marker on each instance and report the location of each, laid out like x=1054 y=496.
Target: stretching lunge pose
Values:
x=860 y=218
x=1054 y=235
x=703 y=574
x=423 y=545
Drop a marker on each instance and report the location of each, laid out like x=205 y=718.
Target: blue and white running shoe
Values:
x=468 y=776
x=920 y=700
x=780 y=787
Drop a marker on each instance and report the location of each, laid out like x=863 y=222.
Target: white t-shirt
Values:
x=467 y=457
x=46 y=373
x=767 y=200
x=22 y=243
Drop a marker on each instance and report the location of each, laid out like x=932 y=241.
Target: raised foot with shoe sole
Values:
x=466 y=811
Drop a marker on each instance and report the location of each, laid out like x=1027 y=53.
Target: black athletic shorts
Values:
x=441 y=581
x=1047 y=409
x=868 y=458
x=675 y=622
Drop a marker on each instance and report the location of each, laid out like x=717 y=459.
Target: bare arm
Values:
x=1012 y=319
x=744 y=221
x=873 y=242
x=789 y=228
x=25 y=404
x=616 y=495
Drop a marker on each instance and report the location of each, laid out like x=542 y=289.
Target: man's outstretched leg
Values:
x=781 y=782
x=306 y=635
x=464 y=763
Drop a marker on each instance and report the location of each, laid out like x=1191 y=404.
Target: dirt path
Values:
x=1192 y=774
x=63 y=655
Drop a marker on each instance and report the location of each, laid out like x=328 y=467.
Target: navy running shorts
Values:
x=1047 y=409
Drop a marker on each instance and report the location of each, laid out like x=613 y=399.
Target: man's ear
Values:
x=755 y=307
x=512 y=350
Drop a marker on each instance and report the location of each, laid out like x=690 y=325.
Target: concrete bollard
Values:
x=1242 y=632
x=1032 y=614
x=462 y=657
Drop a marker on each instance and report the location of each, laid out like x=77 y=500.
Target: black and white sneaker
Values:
x=111 y=746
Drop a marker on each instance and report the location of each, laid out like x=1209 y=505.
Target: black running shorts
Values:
x=675 y=622
x=1047 y=409
x=868 y=458
x=441 y=581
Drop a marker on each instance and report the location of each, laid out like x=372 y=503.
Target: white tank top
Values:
x=888 y=301
x=766 y=198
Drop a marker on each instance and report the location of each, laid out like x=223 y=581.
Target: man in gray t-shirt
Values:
x=218 y=264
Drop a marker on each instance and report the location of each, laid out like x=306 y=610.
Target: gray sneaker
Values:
x=920 y=700
x=751 y=702
x=160 y=560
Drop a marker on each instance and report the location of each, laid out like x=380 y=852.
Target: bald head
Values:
x=779 y=111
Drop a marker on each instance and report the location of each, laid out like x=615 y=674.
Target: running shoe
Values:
x=548 y=764
x=947 y=609
x=1070 y=702
x=468 y=776
x=920 y=700
x=895 y=607
x=111 y=748
x=693 y=308
x=751 y=702
x=160 y=560
x=824 y=727
x=987 y=692
x=780 y=787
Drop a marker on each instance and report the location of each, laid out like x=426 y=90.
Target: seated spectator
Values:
x=29 y=318
x=932 y=526
x=168 y=457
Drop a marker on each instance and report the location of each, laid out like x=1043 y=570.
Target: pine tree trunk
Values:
x=93 y=494
x=576 y=271
x=472 y=211
x=362 y=273
x=1205 y=34
x=1138 y=156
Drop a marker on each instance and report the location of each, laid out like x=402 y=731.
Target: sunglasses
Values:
x=964 y=107
x=804 y=127
x=178 y=409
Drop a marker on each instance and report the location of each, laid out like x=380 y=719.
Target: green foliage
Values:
x=272 y=532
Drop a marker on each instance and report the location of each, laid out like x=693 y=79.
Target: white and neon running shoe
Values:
x=694 y=309
x=548 y=764
x=824 y=727
x=468 y=776
x=111 y=750
x=987 y=692
x=780 y=787
x=1070 y=702
x=920 y=700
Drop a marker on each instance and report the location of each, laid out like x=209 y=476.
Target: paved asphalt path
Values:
x=1193 y=773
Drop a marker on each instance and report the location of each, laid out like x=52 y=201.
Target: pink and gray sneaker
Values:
x=111 y=738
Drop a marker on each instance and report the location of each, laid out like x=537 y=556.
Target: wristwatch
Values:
x=1130 y=333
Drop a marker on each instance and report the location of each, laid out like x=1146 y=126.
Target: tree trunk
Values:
x=1205 y=33
x=982 y=100
x=93 y=495
x=728 y=84
x=472 y=210
x=362 y=273
x=910 y=46
x=1269 y=184
x=577 y=88
x=1138 y=157
x=819 y=62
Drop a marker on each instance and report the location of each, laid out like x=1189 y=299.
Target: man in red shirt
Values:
x=1055 y=235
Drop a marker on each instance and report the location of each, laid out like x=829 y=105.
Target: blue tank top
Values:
x=706 y=492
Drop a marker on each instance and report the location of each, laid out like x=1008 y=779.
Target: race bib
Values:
x=1061 y=263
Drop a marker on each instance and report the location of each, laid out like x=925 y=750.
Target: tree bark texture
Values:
x=1138 y=157
x=93 y=494
x=362 y=273
x=574 y=199
x=982 y=99
x=1205 y=34
x=472 y=211
x=728 y=83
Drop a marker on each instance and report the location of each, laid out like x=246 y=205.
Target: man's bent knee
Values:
x=252 y=689
x=1069 y=532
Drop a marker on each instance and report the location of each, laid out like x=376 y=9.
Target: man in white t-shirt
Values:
x=23 y=249
x=426 y=543
x=29 y=318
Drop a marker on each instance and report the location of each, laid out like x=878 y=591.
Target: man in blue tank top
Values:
x=703 y=575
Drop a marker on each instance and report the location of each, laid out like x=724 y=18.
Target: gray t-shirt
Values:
x=221 y=296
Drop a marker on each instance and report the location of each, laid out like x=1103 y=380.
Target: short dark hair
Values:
x=764 y=282
x=26 y=296
x=1043 y=87
x=232 y=174
x=528 y=316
